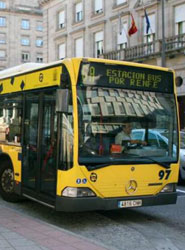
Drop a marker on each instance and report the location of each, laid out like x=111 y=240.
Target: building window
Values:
x=2 y=5
x=180 y=19
x=151 y=29
x=78 y=12
x=39 y=42
x=98 y=43
x=149 y=38
x=39 y=58
x=179 y=40
x=98 y=6
x=79 y=47
x=180 y=28
x=62 y=50
x=25 y=24
x=2 y=38
x=2 y=21
x=149 y=35
x=122 y=39
x=118 y=2
x=39 y=26
x=25 y=41
x=61 y=19
x=25 y=56
x=2 y=53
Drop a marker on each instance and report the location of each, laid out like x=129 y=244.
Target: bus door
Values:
x=39 y=149
x=30 y=141
x=48 y=169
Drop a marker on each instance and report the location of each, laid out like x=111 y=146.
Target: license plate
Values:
x=130 y=203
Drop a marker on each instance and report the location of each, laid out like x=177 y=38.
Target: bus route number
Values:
x=164 y=174
x=92 y=73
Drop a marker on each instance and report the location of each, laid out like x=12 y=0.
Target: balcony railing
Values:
x=174 y=45
x=132 y=53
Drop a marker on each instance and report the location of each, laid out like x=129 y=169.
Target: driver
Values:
x=124 y=137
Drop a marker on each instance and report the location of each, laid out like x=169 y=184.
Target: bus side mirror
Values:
x=178 y=81
x=62 y=100
x=65 y=80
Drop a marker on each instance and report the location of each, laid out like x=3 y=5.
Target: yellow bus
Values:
x=58 y=124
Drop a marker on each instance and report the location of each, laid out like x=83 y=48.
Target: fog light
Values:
x=169 y=188
x=77 y=192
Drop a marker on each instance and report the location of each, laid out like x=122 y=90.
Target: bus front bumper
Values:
x=95 y=203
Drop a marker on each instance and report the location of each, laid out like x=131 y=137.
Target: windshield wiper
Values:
x=98 y=166
x=162 y=164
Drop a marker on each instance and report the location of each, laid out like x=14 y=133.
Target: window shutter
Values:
x=79 y=47
x=78 y=7
x=120 y=1
x=98 y=5
x=180 y=13
x=61 y=18
x=62 y=51
x=99 y=36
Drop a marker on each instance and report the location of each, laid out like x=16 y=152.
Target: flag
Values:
x=133 y=28
x=148 y=26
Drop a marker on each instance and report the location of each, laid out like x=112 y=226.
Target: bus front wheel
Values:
x=7 y=182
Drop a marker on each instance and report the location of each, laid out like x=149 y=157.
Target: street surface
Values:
x=160 y=227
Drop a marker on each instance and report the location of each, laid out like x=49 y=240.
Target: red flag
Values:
x=133 y=28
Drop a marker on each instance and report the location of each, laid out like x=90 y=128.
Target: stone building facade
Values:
x=21 y=32
x=99 y=28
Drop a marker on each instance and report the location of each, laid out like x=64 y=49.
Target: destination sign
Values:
x=126 y=77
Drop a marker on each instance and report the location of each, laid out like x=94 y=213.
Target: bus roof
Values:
x=24 y=68
x=28 y=67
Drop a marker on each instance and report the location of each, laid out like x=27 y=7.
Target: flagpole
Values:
x=163 y=56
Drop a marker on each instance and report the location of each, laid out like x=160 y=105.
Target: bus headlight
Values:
x=77 y=192
x=169 y=188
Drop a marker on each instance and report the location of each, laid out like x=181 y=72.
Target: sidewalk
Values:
x=21 y=232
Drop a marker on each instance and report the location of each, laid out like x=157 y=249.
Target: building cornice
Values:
x=60 y=36
x=96 y=24
x=122 y=14
x=21 y=11
x=140 y=6
x=82 y=29
x=41 y=2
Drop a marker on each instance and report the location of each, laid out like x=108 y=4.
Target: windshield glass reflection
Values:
x=106 y=113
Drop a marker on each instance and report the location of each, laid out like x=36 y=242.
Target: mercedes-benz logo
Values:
x=131 y=187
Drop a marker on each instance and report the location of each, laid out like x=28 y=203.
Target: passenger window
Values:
x=11 y=120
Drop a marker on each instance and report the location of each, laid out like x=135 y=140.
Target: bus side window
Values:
x=13 y=114
x=2 y=122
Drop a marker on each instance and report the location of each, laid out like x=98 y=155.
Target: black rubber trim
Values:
x=94 y=203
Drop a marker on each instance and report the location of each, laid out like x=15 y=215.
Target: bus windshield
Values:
x=103 y=113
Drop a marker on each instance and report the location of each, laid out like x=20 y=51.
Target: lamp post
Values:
x=163 y=56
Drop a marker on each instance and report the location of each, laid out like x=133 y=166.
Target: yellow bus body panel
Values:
x=33 y=80
x=112 y=181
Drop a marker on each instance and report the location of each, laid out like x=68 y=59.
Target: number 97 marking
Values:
x=164 y=174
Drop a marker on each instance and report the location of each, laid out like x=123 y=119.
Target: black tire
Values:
x=7 y=182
